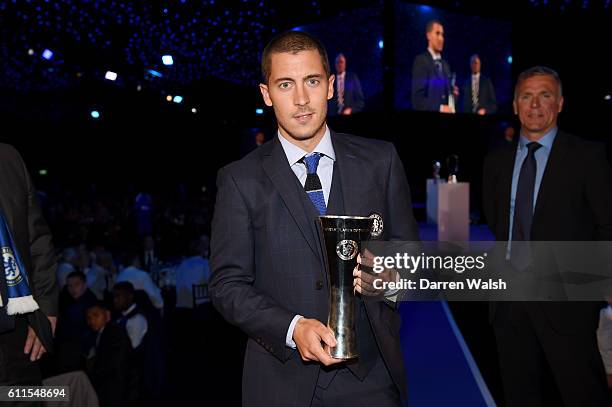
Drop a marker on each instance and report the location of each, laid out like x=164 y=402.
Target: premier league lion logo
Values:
x=11 y=268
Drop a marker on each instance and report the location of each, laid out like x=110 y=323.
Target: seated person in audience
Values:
x=148 y=259
x=75 y=299
x=141 y=280
x=67 y=264
x=108 y=350
x=130 y=316
x=105 y=261
x=193 y=270
x=96 y=276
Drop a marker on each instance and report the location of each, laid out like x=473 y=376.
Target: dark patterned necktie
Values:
x=475 y=90
x=523 y=202
x=438 y=63
x=313 y=183
x=520 y=254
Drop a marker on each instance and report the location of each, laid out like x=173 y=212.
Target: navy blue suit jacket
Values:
x=486 y=96
x=353 y=94
x=430 y=89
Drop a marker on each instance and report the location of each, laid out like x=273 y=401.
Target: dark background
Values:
x=142 y=137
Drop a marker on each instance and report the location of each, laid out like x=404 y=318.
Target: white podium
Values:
x=448 y=205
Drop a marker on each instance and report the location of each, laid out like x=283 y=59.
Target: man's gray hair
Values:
x=535 y=71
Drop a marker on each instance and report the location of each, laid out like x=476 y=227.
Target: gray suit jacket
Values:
x=267 y=264
x=33 y=240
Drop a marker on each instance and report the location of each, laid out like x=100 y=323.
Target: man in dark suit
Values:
x=24 y=337
x=348 y=96
x=268 y=274
x=478 y=92
x=432 y=87
x=550 y=187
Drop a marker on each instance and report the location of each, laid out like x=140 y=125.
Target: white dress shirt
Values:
x=325 y=171
x=136 y=327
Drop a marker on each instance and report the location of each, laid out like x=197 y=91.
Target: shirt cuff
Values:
x=289 y=339
x=390 y=294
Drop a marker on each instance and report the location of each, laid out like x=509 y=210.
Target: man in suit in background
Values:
x=478 y=91
x=348 y=96
x=432 y=87
x=24 y=336
x=552 y=186
x=268 y=274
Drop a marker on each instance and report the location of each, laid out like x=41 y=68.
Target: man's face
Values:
x=259 y=138
x=97 y=318
x=76 y=287
x=298 y=90
x=538 y=103
x=122 y=300
x=475 y=65
x=340 y=64
x=435 y=38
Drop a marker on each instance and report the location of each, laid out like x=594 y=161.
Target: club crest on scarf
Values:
x=18 y=298
x=11 y=268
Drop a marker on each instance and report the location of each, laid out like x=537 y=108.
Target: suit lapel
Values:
x=505 y=182
x=277 y=168
x=553 y=168
x=353 y=176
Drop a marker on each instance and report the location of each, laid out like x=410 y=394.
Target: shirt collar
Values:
x=434 y=54
x=295 y=154
x=476 y=75
x=130 y=309
x=546 y=141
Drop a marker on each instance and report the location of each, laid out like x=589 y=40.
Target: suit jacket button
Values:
x=319 y=285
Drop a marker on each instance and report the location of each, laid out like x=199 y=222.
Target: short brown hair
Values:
x=292 y=42
x=430 y=25
x=535 y=71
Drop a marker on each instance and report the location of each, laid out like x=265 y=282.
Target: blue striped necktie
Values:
x=313 y=183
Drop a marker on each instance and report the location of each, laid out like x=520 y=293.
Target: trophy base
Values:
x=349 y=356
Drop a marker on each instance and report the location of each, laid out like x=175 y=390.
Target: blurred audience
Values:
x=141 y=280
x=193 y=270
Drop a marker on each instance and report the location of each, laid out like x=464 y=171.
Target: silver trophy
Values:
x=452 y=163
x=343 y=236
x=436 y=171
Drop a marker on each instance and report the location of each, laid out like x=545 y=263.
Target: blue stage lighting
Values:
x=47 y=54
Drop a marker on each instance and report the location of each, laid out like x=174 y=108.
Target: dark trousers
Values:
x=346 y=390
x=15 y=366
x=532 y=354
